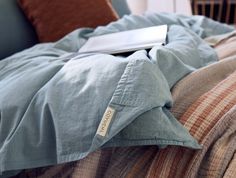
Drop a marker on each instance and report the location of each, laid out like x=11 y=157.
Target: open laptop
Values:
x=126 y=41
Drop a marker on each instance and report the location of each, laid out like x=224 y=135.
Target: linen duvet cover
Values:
x=57 y=113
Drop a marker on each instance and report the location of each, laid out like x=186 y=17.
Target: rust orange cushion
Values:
x=53 y=19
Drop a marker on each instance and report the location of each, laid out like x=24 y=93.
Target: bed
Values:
x=164 y=112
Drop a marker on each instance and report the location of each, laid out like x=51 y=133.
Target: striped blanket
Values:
x=209 y=115
x=211 y=120
x=205 y=103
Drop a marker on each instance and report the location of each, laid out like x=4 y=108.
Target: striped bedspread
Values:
x=205 y=103
x=211 y=120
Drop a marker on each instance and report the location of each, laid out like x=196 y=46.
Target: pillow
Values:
x=16 y=33
x=121 y=7
x=53 y=19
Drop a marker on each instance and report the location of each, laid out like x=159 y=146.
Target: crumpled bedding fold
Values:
x=140 y=162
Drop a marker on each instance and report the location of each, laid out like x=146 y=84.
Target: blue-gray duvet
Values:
x=58 y=106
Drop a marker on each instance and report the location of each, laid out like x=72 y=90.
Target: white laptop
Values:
x=126 y=41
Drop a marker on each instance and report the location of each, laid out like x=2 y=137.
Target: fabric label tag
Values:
x=105 y=122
